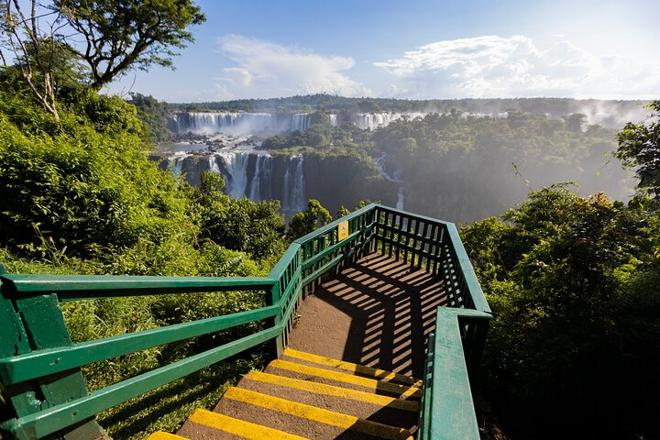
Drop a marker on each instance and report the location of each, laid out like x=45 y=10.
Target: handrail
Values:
x=74 y=287
x=333 y=225
x=447 y=407
x=472 y=284
x=38 y=363
x=53 y=419
x=33 y=357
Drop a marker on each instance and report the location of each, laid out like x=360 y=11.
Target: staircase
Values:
x=398 y=292
x=303 y=395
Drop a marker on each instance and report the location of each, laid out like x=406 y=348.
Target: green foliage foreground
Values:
x=573 y=282
x=81 y=196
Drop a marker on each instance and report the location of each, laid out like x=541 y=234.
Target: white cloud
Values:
x=494 y=66
x=265 y=69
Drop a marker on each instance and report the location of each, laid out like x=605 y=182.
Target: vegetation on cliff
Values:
x=573 y=283
x=484 y=164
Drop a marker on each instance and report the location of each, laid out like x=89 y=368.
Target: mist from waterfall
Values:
x=247 y=123
x=239 y=123
x=372 y=121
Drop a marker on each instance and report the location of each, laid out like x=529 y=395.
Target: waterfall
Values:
x=175 y=162
x=396 y=178
x=300 y=122
x=213 y=165
x=262 y=173
x=235 y=172
x=299 y=201
x=236 y=165
x=372 y=121
x=235 y=123
x=239 y=123
x=293 y=194
x=178 y=166
x=400 y=198
x=248 y=123
x=251 y=174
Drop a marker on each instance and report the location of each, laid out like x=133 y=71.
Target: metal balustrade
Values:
x=40 y=366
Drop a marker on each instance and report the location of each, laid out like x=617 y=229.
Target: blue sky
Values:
x=415 y=49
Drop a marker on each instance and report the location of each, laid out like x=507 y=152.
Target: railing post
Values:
x=36 y=323
x=276 y=345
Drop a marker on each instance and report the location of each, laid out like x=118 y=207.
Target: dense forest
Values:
x=483 y=164
x=573 y=279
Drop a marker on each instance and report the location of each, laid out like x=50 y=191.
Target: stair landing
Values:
x=378 y=312
x=350 y=369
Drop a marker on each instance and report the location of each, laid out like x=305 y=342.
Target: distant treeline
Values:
x=605 y=112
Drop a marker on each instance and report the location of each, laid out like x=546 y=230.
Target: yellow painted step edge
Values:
x=241 y=428
x=402 y=391
x=376 y=373
x=159 y=435
x=319 y=415
x=331 y=390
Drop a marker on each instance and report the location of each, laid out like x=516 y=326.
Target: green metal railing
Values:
x=40 y=366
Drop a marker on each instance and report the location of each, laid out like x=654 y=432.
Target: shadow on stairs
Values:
x=303 y=395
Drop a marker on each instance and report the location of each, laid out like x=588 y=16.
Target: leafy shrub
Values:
x=573 y=285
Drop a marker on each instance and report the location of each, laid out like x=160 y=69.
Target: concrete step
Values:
x=349 y=367
x=308 y=396
x=364 y=405
x=307 y=372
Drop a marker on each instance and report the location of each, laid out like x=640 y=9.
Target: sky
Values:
x=607 y=49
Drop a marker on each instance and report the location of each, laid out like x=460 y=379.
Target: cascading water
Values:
x=262 y=173
x=247 y=123
x=298 y=190
x=293 y=191
x=222 y=122
x=176 y=163
x=236 y=165
x=250 y=174
x=213 y=165
x=300 y=122
x=372 y=121
x=238 y=123
x=396 y=178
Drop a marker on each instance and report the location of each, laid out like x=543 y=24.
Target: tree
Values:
x=342 y=211
x=154 y=114
x=575 y=122
x=129 y=34
x=639 y=148
x=35 y=52
x=305 y=222
x=573 y=286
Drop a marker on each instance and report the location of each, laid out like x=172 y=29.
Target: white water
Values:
x=298 y=201
x=213 y=165
x=176 y=162
x=262 y=173
x=246 y=123
x=372 y=121
x=396 y=178
x=239 y=123
x=258 y=183
x=236 y=165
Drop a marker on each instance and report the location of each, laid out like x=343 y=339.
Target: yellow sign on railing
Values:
x=342 y=230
